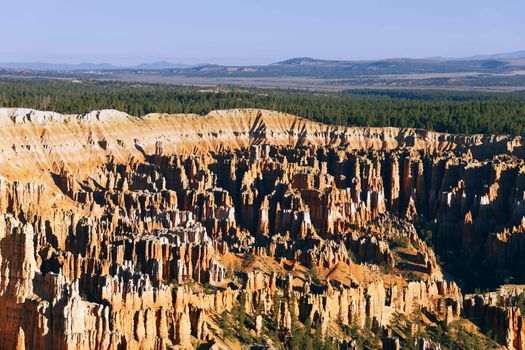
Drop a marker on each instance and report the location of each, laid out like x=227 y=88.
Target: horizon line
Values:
x=211 y=62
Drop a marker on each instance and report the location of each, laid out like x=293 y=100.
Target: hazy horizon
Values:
x=124 y=65
x=242 y=33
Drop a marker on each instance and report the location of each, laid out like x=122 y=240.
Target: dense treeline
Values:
x=457 y=112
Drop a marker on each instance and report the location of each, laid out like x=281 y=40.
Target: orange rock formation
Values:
x=138 y=233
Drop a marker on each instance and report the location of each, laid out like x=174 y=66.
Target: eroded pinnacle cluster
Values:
x=250 y=232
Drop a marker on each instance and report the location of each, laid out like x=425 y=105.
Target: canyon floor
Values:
x=252 y=228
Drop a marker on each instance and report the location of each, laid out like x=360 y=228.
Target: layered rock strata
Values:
x=140 y=233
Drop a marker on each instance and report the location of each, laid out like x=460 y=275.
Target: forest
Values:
x=438 y=110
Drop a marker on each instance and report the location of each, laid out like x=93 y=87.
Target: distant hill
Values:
x=162 y=65
x=304 y=60
x=503 y=55
x=501 y=69
x=306 y=66
x=319 y=68
x=44 y=66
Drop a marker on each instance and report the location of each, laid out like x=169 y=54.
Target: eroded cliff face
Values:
x=146 y=233
x=501 y=313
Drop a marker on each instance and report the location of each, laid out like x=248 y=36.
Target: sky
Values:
x=234 y=32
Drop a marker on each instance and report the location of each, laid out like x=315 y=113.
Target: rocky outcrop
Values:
x=146 y=233
x=41 y=141
x=499 y=312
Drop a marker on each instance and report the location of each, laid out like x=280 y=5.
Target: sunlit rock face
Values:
x=140 y=233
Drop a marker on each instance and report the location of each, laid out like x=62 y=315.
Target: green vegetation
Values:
x=314 y=275
x=514 y=301
x=365 y=338
x=447 y=111
x=520 y=303
x=400 y=241
x=239 y=314
x=351 y=255
x=427 y=236
x=249 y=259
x=302 y=337
x=226 y=324
x=456 y=335
x=307 y=335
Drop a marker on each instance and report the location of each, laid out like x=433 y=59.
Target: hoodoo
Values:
x=254 y=227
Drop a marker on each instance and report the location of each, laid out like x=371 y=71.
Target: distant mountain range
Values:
x=56 y=66
x=162 y=65
x=44 y=66
x=298 y=61
x=315 y=68
x=502 y=70
x=502 y=55
x=514 y=54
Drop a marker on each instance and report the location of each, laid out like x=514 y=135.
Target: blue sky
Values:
x=255 y=32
